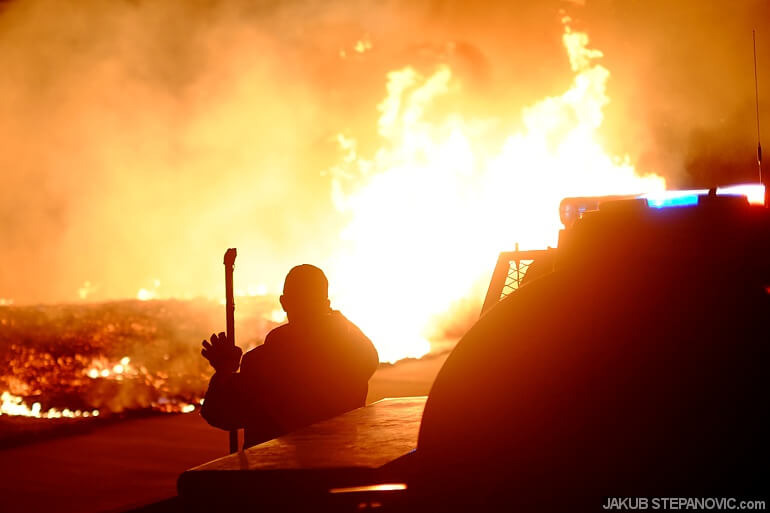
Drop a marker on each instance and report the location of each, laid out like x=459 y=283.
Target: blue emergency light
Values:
x=678 y=200
x=754 y=193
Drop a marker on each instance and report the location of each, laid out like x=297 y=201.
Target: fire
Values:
x=86 y=290
x=15 y=405
x=432 y=207
x=103 y=368
x=360 y=47
x=150 y=293
x=100 y=368
x=363 y=45
x=257 y=290
x=114 y=358
x=277 y=316
x=427 y=214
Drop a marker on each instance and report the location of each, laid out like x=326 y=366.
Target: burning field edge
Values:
x=71 y=368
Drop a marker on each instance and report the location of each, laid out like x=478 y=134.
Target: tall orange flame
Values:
x=435 y=203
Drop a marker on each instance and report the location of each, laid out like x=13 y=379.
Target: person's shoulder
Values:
x=354 y=339
x=278 y=333
x=261 y=351
x=250 y=358
x=339 y=321
x=342 y=323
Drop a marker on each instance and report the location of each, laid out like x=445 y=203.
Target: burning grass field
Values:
x=405 y=275
x=99 y=391
x=63 y=364
x=133 y=461
x=73 y=367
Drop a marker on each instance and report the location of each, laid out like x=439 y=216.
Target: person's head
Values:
x=305 y=293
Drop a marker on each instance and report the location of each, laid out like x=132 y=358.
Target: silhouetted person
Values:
x=314 y=367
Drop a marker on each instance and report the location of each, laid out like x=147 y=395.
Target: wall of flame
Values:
x=399 y=145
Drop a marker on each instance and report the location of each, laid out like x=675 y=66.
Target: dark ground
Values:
x=120 y=466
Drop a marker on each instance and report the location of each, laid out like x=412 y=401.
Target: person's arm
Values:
x=223 y=404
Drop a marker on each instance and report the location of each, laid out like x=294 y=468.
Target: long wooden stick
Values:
x=756 y=97
x=229 y=262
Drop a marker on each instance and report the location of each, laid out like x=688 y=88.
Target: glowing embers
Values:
x=97 y=386
x=147 y=294
x=123 y=369
x=14 y=405
x=103 y=368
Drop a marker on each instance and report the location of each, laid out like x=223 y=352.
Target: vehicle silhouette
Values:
x=634 y=365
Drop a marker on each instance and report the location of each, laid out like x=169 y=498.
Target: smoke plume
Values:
x=140 y=139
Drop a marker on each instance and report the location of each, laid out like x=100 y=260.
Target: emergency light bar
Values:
x=754 y=193
x=571 y=209
x=667 y=199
